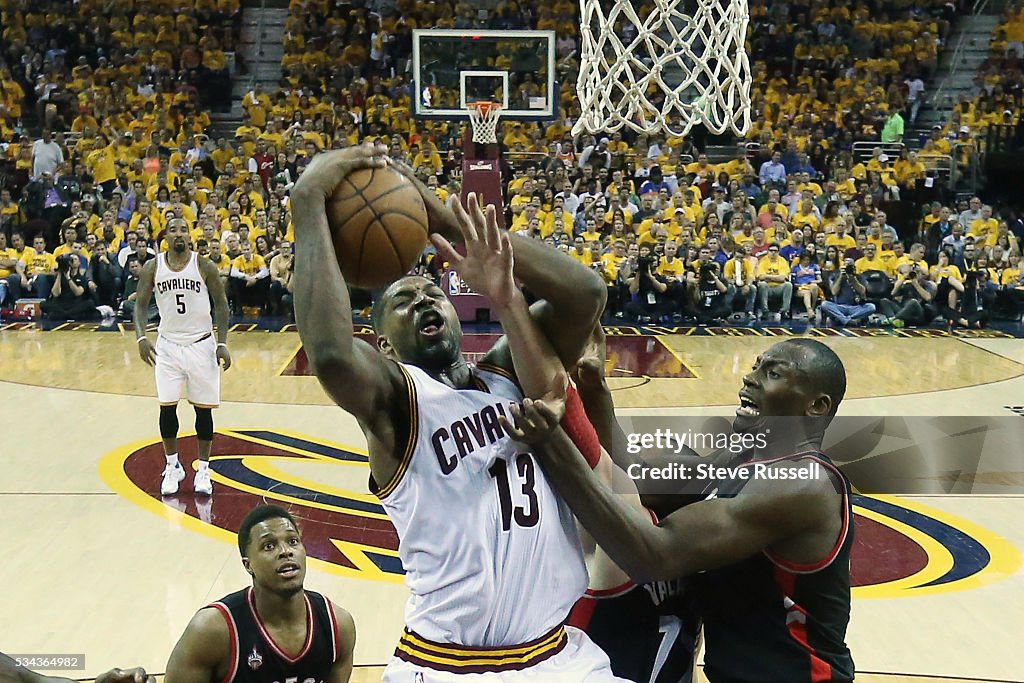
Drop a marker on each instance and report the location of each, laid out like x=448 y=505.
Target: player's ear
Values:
x=247 y=566
x=819 y=406
x=384 y=346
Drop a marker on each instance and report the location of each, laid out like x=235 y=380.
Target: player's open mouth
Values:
x=431 y=324
x=748 y=408
x=289 y=570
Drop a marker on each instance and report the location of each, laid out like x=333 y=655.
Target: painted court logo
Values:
x=900 y=549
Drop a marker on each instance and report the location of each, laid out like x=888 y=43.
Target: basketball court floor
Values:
x=96 y=563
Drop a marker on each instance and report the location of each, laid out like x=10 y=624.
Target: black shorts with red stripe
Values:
x=646 y=631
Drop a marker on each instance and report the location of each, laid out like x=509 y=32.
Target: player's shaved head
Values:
x=823 y=368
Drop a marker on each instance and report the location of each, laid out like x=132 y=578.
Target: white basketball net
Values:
x=484 y=117
x=701 y=42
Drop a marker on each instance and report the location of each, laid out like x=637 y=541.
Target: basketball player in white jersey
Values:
x=187 y=356
x=493 y=561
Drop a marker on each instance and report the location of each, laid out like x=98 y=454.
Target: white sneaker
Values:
x=172 y=476
x=202 y=484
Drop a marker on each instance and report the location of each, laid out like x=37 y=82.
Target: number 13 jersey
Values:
x=491 y=553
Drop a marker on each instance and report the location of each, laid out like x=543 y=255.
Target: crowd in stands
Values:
x=795 y=224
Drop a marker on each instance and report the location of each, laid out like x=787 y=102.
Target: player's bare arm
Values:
x=211 y=276
x=143 y=294
x=354 y=374
x=573 y=296
x=487 y=268
x=203 y=652
x=661 y=496
x=342 y=669
x=12 y=672
x=796 y=519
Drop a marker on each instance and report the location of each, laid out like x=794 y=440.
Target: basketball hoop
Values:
x=484 y=117
x=697 y=61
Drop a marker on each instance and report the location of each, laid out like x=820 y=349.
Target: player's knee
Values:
x=168 y=422
x=204 y=424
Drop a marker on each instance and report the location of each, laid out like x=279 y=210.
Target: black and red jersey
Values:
x=769 y=620
x=256 y=658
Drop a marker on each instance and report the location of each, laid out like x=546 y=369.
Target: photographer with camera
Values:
x=69 y=296
x=970 y=309
x=913 y=298
x=709 y=291
x=848 y=303
x=647 y=303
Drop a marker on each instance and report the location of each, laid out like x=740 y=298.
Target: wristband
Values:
x=220 y=344
x=140 y=340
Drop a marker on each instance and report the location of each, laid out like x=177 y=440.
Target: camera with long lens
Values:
x=644 y=264
x=65 y=261
x=850 y=269
x=708 y=272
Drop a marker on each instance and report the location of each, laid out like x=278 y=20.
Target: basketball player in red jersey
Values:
x=274 y=631
x=493 y=562
x=11 y=671
x=769 y=568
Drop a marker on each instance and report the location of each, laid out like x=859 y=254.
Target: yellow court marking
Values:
x=1004 y=557
x=111 y=470
x=661 y=340
x=288 y=361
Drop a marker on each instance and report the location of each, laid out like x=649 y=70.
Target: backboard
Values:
x=454 y=67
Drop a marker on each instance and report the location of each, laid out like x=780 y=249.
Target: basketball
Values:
x=379 y=225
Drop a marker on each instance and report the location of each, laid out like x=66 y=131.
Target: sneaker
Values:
x=776 y=317
x=172 y=477
x=202 y=484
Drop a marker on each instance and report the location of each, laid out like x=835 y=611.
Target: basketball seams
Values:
x=385 y=193
x=370 y=256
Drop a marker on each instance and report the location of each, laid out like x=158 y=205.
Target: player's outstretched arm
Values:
x=143 y=293
x=352 y=372
x=573 y=295
x=203 y=652
x=698 y=537
x=487 y=268
x=342 y=669
x=12 y=672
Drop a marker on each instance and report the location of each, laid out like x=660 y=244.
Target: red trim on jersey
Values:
x=579 y=429
x=335 y=635
x=796 y=624
x=233 y=636
x=582 y=612
x=812 y=567
x=605 y=593
x=310 y=627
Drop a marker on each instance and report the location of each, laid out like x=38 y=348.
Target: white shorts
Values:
x=188 y=371
x=580 y=661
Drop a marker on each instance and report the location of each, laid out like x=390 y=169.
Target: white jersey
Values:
x=491 y=553
x=184 y=301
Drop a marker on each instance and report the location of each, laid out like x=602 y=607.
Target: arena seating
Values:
x=127 y=89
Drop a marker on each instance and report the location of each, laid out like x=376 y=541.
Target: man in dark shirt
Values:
x=847 y=304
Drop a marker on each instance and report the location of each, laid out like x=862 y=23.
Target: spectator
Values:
x=773 y=283
x=281 y=269
x=250 y=279
x=848 y=301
